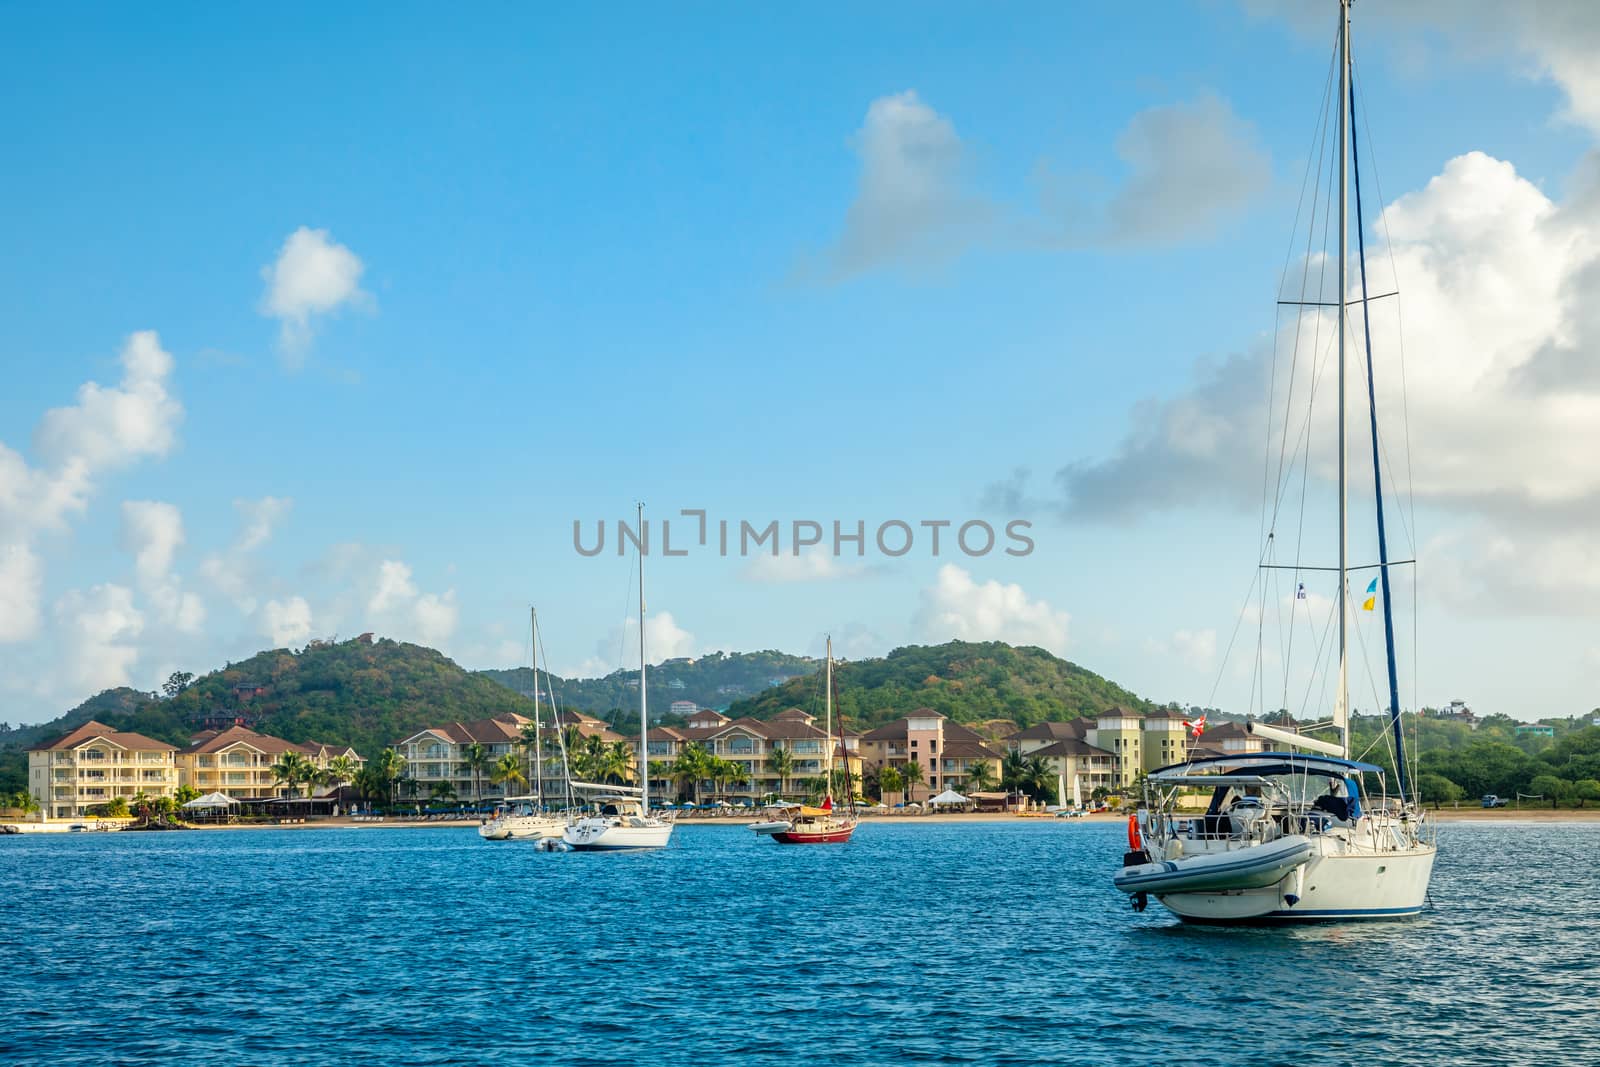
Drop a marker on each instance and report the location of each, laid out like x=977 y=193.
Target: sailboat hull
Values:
x=1332 y=887
x=611 y=835
x=522 y=828
x=831 y=836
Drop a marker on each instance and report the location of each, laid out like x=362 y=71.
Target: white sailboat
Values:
x=622 y=819
x=1293 y=836
x=525 y=818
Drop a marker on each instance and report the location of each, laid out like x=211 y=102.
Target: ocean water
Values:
x=995 y=943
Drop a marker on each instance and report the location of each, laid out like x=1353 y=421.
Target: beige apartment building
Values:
x=750 y=743
x=237 y=762
x=94 y=765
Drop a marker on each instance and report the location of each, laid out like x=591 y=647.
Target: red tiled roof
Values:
x=1069 y=746
x=239 y=735
x=99 y=731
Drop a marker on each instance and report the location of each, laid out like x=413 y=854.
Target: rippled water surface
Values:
x=997 y=943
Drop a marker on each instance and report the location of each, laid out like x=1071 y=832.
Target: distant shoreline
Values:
x=1508 y=816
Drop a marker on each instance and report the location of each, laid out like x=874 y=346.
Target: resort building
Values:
x=945 y=751
x=1120 y=731
x=750 y=744
x=437 y=757
x=237 y=762
x=94 y=765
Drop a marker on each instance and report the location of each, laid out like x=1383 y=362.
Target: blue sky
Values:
x=431 y=287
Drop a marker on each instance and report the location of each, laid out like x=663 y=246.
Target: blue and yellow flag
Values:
x=1372 y=596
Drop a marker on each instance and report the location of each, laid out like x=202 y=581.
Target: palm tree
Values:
x=507 y=771
x=391 y=766
x=528 y=741
x=441 y=791
x=980 y=776
x=889 y=782
x=342 y=770
x=911 y=774
x=1041 y=782
x=293 y=769
x=689 y=769
x=616 y=760
x=475 y=757
x=780 y=761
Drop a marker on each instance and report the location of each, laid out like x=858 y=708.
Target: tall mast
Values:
x=644 y=717
x=1341 y=707
x=827 y=720
x=538 y=748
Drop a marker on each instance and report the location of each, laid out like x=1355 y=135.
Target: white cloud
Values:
x=1551 y=39
x=312 y=276
x=956 y=606
x=108 y=428
x=234 y=573
x=435 y=617
x=21 y=581
x=397 y=606
x=1499 y=285
x=153 y=532
x=813 y=565
x=1190 y=165
x=664 y=640
x=1197 y=648
x=911 y=204
x=261 y=518
x=98 y=629
x=112 y=427
x=286 y=622
x=394 y=587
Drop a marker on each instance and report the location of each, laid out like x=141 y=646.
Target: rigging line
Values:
x=1335 y=303
x=1377 y=488
x=1322 y=651
x=1400 y=333
x=1319 y=138
x=1331 y=570
x=1226 y=652
x=1305 y=468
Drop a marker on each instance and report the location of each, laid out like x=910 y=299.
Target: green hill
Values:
x=366 y=694
x=965 y=681
x=712 y=681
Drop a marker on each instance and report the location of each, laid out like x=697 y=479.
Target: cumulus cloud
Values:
x=1499 y=285
x=397 y=606
x=234 y=572
x=108 y=428
x=911 y=201
x=286 y=622
x=1188 y=166
x=113 y=426
x=664 y=639
x=812 y=565
x=99 y=628
x=21 y=581
x=1555 y=40
x=153 y=532
x=313 y=276
x=957 y=606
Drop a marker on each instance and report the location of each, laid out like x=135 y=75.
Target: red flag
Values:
x=827 y=802
x=1196 y=726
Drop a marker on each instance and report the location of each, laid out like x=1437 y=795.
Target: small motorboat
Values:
x=772 y=826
